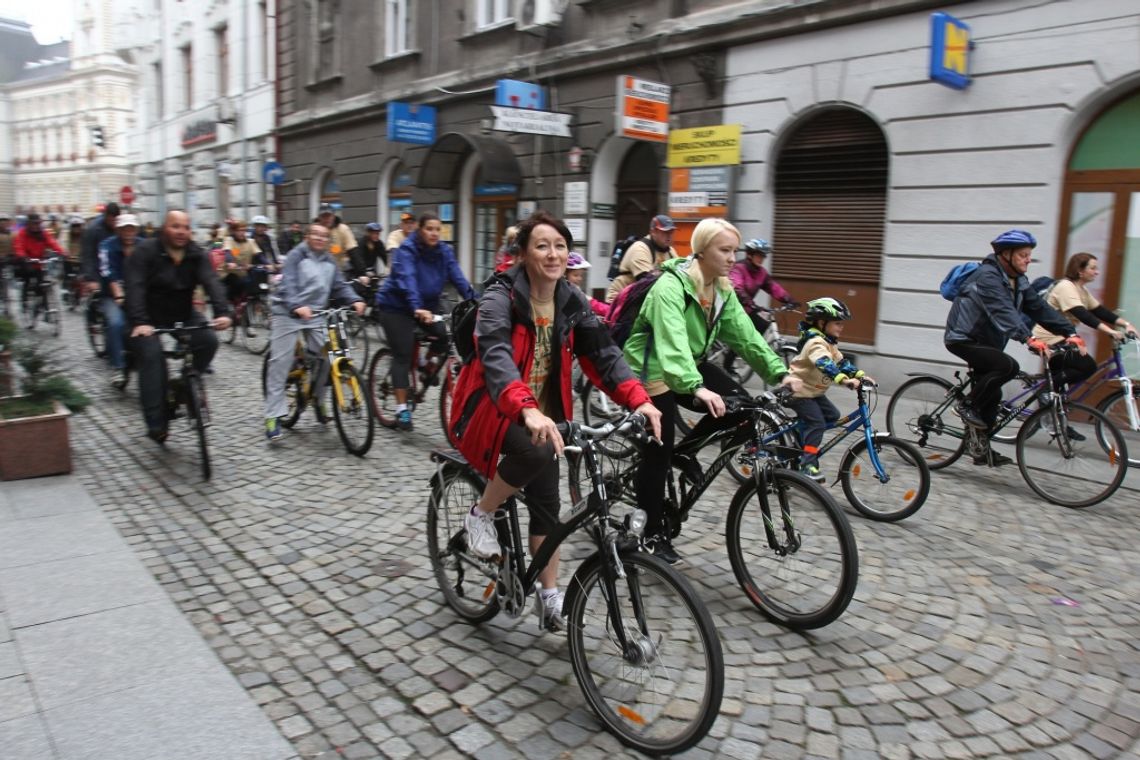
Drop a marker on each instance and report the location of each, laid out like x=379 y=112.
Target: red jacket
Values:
x=491 y=391
x=24 y=246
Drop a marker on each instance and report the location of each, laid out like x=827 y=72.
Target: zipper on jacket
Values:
x=468 y=413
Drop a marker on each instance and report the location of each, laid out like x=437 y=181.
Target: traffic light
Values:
x=97 y=137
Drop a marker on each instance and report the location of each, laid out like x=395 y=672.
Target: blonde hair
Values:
x=702 y=237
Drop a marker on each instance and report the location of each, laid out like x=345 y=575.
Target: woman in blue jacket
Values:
x=421 y=267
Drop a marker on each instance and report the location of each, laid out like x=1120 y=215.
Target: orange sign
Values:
x=643 y=109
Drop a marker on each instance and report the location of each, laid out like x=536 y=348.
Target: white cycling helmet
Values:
x=261 y=219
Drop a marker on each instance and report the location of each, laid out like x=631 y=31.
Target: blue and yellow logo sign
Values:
x=950 y=47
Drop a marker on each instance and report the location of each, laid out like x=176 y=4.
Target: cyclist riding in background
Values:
x=748 y=278
x=421 y=267
x=341 y=240
x=576 y=267
x=310 y=281
x=1070 y=296
x=370 y=255
x=113 y=255
x=268 y=257
x=397 y=236
x=97 y=230
x=240 y=253
x=31 y=248
x=510 y=397
x=690 y=306
x=161 y=277
x=645 y=255
x=986 y=315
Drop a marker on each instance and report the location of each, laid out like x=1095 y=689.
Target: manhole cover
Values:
x=392 y=568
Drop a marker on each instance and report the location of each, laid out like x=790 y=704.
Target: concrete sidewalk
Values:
x=95 y=660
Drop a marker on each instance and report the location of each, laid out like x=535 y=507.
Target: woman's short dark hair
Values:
x=428 y=217
x=541 y=217
x=1077 y=264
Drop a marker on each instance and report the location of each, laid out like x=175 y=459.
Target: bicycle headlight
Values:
x=635 y=521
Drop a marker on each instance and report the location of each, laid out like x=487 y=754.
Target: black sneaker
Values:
x=970 y=416
x=158 y=435
x=993 y=459
x=663 y=549
x=1075 y=436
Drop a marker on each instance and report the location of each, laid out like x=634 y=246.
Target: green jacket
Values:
x=672 y=324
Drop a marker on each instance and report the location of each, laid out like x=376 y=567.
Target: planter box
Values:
x=32 y=447
x=5 y=373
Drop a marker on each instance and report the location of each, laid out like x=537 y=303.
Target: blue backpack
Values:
x=954 y=280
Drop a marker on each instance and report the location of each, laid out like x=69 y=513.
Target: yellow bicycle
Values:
x=354 y=421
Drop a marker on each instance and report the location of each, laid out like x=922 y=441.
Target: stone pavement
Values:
x=989 y=624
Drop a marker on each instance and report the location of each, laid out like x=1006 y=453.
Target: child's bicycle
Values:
x=643 y=646
x=883 y=477
x=1068 y=453
x=441 y=370
x=791 y=548
x=351 y=409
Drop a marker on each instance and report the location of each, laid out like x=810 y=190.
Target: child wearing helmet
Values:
x=576 y=267
x=820 y=364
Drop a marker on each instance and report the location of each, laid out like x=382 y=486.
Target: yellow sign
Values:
x=704 y=146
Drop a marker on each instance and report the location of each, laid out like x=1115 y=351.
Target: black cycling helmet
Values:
x=827 y=309
x=758 y=245
x=1013 y=239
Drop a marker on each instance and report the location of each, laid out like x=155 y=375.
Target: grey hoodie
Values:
x=311 y=279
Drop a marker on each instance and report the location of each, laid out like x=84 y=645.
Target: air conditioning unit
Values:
x=532 y=15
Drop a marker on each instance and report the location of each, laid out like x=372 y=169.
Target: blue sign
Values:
x=411 y=123
x=501 y=188
x=515 y=94
x=950 y=47
x=273 y=173
x=399 y=203
x=447 y=212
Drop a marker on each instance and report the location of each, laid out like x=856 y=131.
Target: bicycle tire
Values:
x=235 y=325
x=294 y=392
x=1113 y=407
x=662 y=692
x=787 y=588
x=256 y=328
x=913 y=417
x=742 y=471
x=351 y=408
x=1066 y=471
x=597 y=410
x=54 y=310
x=199 y=419
x=449 y=373
x=452 y=495
x=618 y=473
x=357 y=329
x=96 y=328
x=381 y=393
x=908 y=479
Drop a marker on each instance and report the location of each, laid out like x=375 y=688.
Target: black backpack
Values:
x=618 y=254
x=463 y=328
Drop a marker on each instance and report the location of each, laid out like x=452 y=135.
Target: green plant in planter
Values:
x=8 y=332
x=42 y=385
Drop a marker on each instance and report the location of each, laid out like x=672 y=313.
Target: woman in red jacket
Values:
x=510 y=397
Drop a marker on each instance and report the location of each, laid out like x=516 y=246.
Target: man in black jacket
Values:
x=98 y=229
x=161 y=278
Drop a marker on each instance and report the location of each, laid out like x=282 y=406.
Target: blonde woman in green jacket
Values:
x=691 y=305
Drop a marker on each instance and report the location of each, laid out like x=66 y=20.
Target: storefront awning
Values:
x=445 y=159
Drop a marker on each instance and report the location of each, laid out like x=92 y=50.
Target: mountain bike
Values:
x=791 y=548
x=43 y=301
x=251 y=313
x=351 y=408
x=1068 y=453
x=187 y=390
x=427 y=371
x=642 y=645
x=884 y=478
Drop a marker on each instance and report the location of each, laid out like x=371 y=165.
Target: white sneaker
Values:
x=552 y=611
x=482 y=538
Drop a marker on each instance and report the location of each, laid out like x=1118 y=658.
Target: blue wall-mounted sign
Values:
x=273 y=173
x=500 y=188
x=950 y=47
x=411 y=123
x=515 y=94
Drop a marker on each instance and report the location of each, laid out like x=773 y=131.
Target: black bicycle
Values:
x=791 y=547
x=642 y=644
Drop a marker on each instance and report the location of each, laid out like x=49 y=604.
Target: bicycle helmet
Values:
x=373 y=226
x=758 y=245
x=1013 y=239
x=827 y=309
x=259 y=219
x=575 y=261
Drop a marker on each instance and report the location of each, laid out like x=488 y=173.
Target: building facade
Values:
x=204 y=105
x=66 y=112
x=870 y=178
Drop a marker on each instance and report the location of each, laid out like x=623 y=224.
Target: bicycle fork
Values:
x=764 y=486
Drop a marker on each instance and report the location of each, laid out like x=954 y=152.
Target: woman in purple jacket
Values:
x=748 y=278
x=421 y=267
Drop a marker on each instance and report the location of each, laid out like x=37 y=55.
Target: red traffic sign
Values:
x=126 y=195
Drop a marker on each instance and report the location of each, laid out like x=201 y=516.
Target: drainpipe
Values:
x=244 y=10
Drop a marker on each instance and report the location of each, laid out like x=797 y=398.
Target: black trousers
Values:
x=657 y=460
x=534 y=469
x=400 y=330
x=151 y=366
x=1071 y=367
x=992 y=369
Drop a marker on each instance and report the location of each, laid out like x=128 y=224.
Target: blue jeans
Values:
x=816 y=415
x=115 y=329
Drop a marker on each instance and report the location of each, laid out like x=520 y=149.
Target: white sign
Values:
x=577 y=200
x=526 y=208
x=688 y=200
x=577 y=229
x=531 y=122
x=642 y=109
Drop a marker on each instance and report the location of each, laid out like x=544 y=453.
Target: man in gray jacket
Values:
x=310 y=281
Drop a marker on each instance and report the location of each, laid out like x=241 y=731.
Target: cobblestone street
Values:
x=989 y=624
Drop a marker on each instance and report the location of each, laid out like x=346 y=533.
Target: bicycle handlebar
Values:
x=575 y=431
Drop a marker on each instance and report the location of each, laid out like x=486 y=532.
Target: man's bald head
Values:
x=176 y=228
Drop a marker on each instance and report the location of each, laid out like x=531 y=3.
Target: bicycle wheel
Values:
x=742 y=470
x=199 y=418
x=618 y=473
x=598 y=409
x=808 y=578
x=467 y=590
x=54 y=313
x=294 y=391
x=235 y=326
x=448 y=374
x=906 y=487
x=357 y=329
x=255 y=327
x=657 y=683
x=96 y=327
x=382 y=395
x=351 y=410
x=1071 y=455
x=1115 y=407
x=919 y=414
